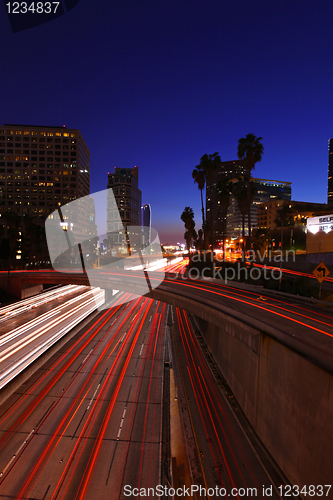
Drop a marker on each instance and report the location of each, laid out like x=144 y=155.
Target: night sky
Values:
x=159 y=83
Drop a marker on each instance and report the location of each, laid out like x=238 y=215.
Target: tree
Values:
x=204 y=172
x=199 y=241
x=284 y=216
x=188 y=218
x=199 y=177
x=262 y=239
x=250 y=150
x=223 y=191
x=240 y=193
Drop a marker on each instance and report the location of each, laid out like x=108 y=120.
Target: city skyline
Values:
x=154 y=88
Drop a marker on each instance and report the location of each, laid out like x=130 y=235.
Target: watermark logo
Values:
x=25 y=15
x=88 y=236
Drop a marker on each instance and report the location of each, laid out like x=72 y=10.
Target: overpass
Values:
x=276 y=355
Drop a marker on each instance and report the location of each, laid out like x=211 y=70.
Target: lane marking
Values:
x=87 y=356
x=121 y=423
x=92 y=399
x=16 y=453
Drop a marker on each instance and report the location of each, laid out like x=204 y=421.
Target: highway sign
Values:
x=321 y=272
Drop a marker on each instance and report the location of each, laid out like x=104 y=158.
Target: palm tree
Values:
x=262 y=239
x=223 y=192
x=240 y=193
x=199 y=177
x=199 y=241
x=204 y=172
x=250 y=150
x=284 y=218
x=188 y=218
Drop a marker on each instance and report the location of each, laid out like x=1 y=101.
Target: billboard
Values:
x=319 y=237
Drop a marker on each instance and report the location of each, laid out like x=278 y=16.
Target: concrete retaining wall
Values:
x=287 y=399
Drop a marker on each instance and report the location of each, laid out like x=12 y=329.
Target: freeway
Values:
x=23 y=345
x=22 y=311
x=89 y=422
x=302 y=326
x=226 y=456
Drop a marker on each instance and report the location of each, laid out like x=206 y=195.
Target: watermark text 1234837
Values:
x=32 y=7
x=26 y=15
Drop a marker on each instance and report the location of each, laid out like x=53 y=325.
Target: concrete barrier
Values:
x=287 y=399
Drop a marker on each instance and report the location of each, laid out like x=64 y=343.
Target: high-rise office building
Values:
x=127 y=203
x=266 y=190
x=41 y=168
x=230 y=170
x=330 y=173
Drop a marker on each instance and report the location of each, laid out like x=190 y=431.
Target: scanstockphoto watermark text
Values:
x=184 y=491
x=240 y=270
x=231 y=274
x=252 y=256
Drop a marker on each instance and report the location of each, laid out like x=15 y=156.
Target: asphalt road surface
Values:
x=89 y=422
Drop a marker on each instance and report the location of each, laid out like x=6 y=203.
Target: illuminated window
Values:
x=58 y=134
x=42 y=133
x=66 y=134
x=33 y=133
x=18 y=132
x=26 y=132
x=50 y=134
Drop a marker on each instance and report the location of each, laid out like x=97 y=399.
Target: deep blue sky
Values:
x=158 y=83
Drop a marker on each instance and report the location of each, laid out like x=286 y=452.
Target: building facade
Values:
x=41 y=168
x=231 y=170
x=300 y=211
x=330 y=173
x=265 y=190
x=269 y=190
x=124 y=209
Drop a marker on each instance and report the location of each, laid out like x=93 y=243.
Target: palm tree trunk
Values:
x=249 y=212
x=203 y=218
x=243 y=236
x=223 y=245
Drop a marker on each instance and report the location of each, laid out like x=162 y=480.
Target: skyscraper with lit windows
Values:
x=125 y=210
x=41 y=168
